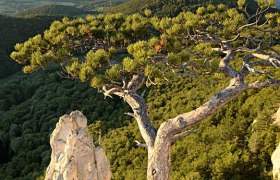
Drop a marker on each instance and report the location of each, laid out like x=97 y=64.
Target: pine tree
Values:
x=189 y=44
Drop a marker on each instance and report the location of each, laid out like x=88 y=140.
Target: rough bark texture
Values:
x=159 y=162
x=159 y=167
x=158 y=142
x=138 y=105
x=73 y=153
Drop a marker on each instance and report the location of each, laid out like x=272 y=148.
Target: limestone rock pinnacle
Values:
x=73 y=153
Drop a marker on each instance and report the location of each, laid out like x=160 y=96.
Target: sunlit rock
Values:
x=73 y=153
x=275 y=158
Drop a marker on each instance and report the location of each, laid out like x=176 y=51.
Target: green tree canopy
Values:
x=157 y=47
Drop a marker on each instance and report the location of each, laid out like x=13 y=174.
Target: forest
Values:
x=235 y=143
x=14 y=30
x=17 y=7
x=171 y=8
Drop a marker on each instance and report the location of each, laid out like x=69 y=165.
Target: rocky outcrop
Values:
x=276 y=118
x=275 y=158
x=73 y=153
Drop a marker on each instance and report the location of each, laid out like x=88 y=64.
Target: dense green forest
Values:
x=52 y=10
x=30 y=107
x=15 y=7
x=14 y=30
x=170 y=7
x=236 y=143
x=100 y=5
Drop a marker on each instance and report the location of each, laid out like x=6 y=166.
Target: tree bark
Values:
x=138 y=105
x=159 y=162
x=159 y=142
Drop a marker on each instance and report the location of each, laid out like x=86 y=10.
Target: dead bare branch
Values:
x=182 y=135
x=129 y=114
x=227 y=69
x=140 y=144
x=110 y=91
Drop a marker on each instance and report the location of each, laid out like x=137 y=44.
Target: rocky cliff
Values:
x=275 y=158
x=276 y=118
x=73 y=153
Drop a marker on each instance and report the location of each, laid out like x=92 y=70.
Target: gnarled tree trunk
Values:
x=159 y=142
x=159 y=155
x=159 y=161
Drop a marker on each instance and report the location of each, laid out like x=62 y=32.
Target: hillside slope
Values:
x=99 y=5
x=14 y=30
x=30 y=106
x=130 y=7
x=171 y=7
x=11 y=7
x=14 y=6
x=52 y=10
